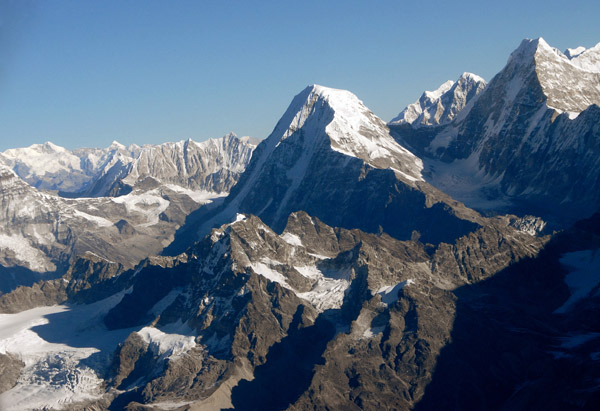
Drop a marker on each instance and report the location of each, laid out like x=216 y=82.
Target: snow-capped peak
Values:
x=351 y=129
x=442 y=105
x=466 y=76
x=571 y=53
x=436 y=94
x=115 y=145
x=586 y=59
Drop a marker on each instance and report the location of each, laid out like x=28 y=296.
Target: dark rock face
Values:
x=89 y=279
x=512 y=348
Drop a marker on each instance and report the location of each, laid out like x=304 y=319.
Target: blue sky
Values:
x=84 y=73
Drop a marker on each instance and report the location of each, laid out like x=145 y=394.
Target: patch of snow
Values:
x=199 y=196
x=319 y=256
x=326 y=292
x=584 y=276
x=28 y=255
x=167 y=345
x=291 y=239
x=573 y=341
x=239 y=217
x=389 y=293
x=270 y=274
x=165 y=302
x=372 y=332
x=99 y=221
x=150 y=204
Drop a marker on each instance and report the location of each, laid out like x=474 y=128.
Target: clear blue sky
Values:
x=83 y=73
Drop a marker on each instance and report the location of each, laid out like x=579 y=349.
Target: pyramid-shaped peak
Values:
x=331 y=93
x=441 y=106
x=436 y=94
x=529 y=48
x=322 y=116
x=338 y=99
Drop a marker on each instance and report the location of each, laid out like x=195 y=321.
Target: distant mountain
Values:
x=530 y=141
x=441 y=106
x=213 y=165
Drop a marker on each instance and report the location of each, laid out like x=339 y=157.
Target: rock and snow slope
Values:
x=41 y=233
x=224 y=309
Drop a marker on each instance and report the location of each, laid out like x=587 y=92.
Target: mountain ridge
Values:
x=211 y=165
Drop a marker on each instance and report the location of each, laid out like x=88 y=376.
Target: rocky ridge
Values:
x=41 y=233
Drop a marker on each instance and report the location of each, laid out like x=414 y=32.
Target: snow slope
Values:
x=65 y=350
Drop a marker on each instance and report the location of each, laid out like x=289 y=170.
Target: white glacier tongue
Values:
x=351 y=127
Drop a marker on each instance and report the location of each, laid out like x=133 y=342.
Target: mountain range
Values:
x=444 y=260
